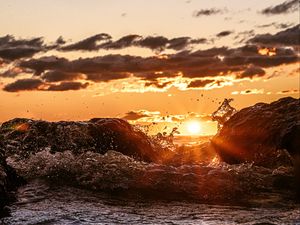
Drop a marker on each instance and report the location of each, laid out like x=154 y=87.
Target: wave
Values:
x=118 y=173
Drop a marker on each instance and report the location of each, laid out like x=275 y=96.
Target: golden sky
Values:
x=166 y=62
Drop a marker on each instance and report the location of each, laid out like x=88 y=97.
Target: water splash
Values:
x=215 y=182
x=161 y=140
x=224 y=112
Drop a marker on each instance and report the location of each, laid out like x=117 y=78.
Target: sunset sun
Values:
x=193 y=127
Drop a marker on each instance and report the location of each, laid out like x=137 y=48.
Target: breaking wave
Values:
x=117 y=173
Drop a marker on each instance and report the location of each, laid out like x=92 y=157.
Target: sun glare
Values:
x=193 y=127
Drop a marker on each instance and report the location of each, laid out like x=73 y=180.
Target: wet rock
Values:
x=297 y=175
x=4 y=195
x=24 y=137
x=260 y=132
x=9 y=181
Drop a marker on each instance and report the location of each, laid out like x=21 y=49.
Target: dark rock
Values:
x=260 y=132
x=297 y=175
x=4 y=194
x=9 y=181
x=25 y=136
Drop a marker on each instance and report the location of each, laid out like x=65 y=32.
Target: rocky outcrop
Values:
x=9 y=181
x=25 y=136
x=258 y=133
x=4 y=194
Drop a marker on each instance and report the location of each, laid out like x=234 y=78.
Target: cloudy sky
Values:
x=146 y=61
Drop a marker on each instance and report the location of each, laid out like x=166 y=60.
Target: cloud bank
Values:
x=203 y=68
x=283 y=8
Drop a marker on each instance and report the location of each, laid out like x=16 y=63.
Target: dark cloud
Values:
x=182 y=43
x=109 y=64
x=275 y=61
x=155 y=43
x=17 y=53
x=98 y=69
x=23 y=85
x=60 y=41
x=199 y=83
x=12 y=49
x=135 y=115
x=288 y=37
x=10 y=41
x=124 y=42
x=179 y=43
x=247 y=61
x=106 y=77
x=55 y=76
x=211 y=52
x=88 y=44
x=207 y=12
x=32 y=84
x=157 y=84
x=262 y=61
x=45 y=63
x=224 y=33
x=67 y=86
x=283 y=8
x=201 y=63
x=252 y=71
